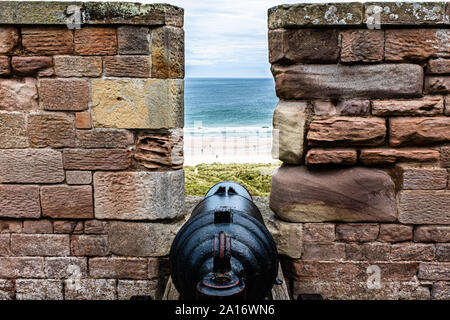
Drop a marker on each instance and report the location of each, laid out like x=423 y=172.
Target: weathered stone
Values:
x=32 y=289
x=341 y=108
x=95 y=41
x=323 y=252
x=118 y=268
x=357 y=232
x=127 y=66
x=133 y=40
x=437 y=84
x=445 y=157
x=130 y=288
x=83 y=120
x=13 y=132
x=423 y=178
x=19 y=201
x=90 y=289
x=18 y=95
x=318 y=232
x=21 y=267
x=139 y=195
x=419 y=131
x=30 y=65
x=416 y=44
x=303 y=45
x=372 y=251
x=347 y=131
x=73 y=66
x=438 y=66
x=158 y=151
x=289 y=124
x=424 y=207
x=68 y=226
x=4 y=66
x=432 y=234
x=443 y=252
x=362 y=45
x=89 y=245
x=64 y=94
x=67 y=201
x=412 y=252
x=96 y=227
x=7 y=290
x=447 y=105
x=331 y=156
x=9 y=39
x=426 y=106
x=47 y=41
x=378 y=156
x=137 y=103
x=4 y=245
x=31 y=166
x=287 y=236
x=96 y=159
x=167 y=52
x=395 y=233
x=142 y=239
x=78 y=177
x=434 y=271
x=37 y=226
x=40 y=245
x=65 y=267
x=10 y=226
x=319 y=81
x=440 y=291
x=104 y=138
x=51 y=130
x=300 y=15
x=300 y=194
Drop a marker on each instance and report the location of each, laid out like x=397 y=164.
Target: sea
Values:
x=228 y=120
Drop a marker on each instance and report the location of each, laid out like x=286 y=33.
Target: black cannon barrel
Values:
x=224 y=250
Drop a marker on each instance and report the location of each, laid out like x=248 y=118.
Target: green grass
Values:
x=254 y=176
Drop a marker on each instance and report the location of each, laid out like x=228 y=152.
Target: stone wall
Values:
x=363 y=130
x=91 y=178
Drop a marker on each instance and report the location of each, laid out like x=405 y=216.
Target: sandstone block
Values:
x=74 y=66
x=426 y=106
x=318 y=232
x=437 y=84
x=68 y=226
x=347 y=131
x=418 y=131
x=118 y=268
x=51 y=130
x=21 y=267
x=425 y=178
x=18 y=95
x=350 y=107
x=432 y=234
x=10 y=226
x=37 y=226
x=78 y=177
x=438 y=66
x=129 y=288
x=163 y=150
x=7 y=290
x=19 y=201
x=67 y=201
x=378 y=156
x=424 y=207
x=47 y=41
x=167 y=52
x=89 y=245
x=9 y=39
x=31 y=289
x=319 y=81
x=440 y=291
x=91 y=289
x=83 y=120
x=4 y=66
x=303 y=45
x=40 y=245
x=395 y=233
x=331 y=156
x=372 y=251
x=355 y=194
x=416 y=44
x=443 y=252
x=96 y=159
x=95 y=41
x=31 y=166
x=139 y=195
x=104 y=138
x=289 y=123
x=65 y=267
x=137 y=103
x=64 y=94
x=13 y=132
x=4 y=245
x=434 y=271
x=445 y=157
x=447 y=105
x=357 y=232
x=412 y=252
x=362 y=45
x=133 y=40
x=323 y=251
x=30 y=65
x=127 y=66
x=96 y=227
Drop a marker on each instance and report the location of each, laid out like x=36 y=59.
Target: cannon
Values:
x=224 y=250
